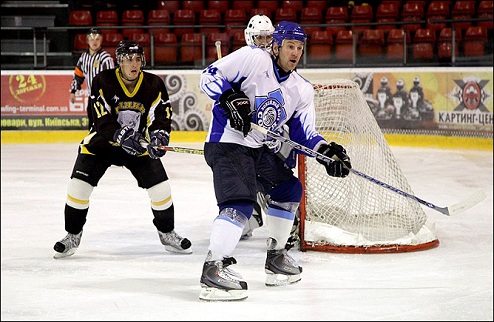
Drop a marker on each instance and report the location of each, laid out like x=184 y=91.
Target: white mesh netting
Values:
x=354 y=211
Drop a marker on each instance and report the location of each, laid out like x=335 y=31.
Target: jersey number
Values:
x=100 y=109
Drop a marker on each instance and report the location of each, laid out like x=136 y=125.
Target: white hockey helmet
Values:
x=259 y=25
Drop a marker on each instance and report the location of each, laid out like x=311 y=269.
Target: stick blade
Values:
x=467 y=203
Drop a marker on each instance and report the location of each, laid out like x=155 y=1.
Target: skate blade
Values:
x=216 y=294
x=280 y=279
x=177 y=250
x=70 y=252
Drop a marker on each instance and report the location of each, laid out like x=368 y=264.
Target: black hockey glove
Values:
x=157 y=138
x=339 y=168
x=129 y=140
x=237 y=105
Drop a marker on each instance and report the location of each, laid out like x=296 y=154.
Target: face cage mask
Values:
x=131 y=56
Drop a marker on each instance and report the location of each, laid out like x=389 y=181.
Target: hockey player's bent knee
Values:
x=78 y=194
x=160 y=195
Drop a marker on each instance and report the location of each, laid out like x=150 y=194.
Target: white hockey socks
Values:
x=280 y=223
x=225 y=233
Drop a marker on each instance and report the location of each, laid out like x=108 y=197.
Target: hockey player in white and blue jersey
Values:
x=253 y=85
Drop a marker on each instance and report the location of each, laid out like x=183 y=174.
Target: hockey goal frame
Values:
x=422 y=235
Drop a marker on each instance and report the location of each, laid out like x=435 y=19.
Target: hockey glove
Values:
x=237 y=105
x=130 y=140
x=157 y=138
x=341 y=166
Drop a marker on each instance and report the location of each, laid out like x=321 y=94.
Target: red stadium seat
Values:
x=222 y=6
x=463 y=10
x=361 y=14
x=246 y=6
x=437 y=10
x=319 y=46
x=485 y=11
x=445 y=44
x=209 y=17
x=184 y=17
x=423 y=44
x=412 y=11
x=310 y=16
x=265 y=11
x=105 y=18
x=238 y=41
x=336 y=15
x=395 y=45
x=195 y=6
x=235 y=17
x=171 y=6
x=211 y=54
x=158 y=17
x=344 y=46
x=371 y=44
x=165 y=48
x=322 y=5
x=475 y=41
x=80 y=18
x=296 y=5
x=190 y=48
x=133 y=18
x=281 y=14
x=387 y=13
x=80 y=44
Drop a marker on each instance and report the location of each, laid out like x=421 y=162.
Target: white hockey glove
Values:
x=341 y=166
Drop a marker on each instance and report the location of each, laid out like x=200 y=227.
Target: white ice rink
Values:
x=122 y=272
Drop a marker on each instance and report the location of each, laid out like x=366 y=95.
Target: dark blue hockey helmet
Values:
x=288 y=30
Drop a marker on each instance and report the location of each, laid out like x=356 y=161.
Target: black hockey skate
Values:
x=221 y=283
x=281 y=268
x=67 y=246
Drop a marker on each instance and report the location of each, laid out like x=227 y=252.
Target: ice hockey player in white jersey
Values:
x=253 y=85
x=259 y=33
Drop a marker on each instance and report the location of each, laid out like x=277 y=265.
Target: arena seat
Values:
x=387 y=13
x=310 y=16
x=319 y=46
x=211 y=54
x=235 y=17
x=246 y=6
x=190 y=48
x=105 y=18
x=184 y=17
x=222 y=6
x=423 y=44
x=80 y=44
x=80 y=18
x=475 y=41
x=322 y=5
x=412 y=11
x=133 y=18
x=336 y=15
x=297 y=5
x=485 y=10
x=195 y=6
x=343 y=48
x=165 y=48
x=437 y=10
x=463 y=10
x=361 y=14
x=158 y=17
x=282 y=14
x=209 y=17
x=171 y=6
x=371 y=44
x=445 y=44
x=238 y=41
x=110 y=42
x=144 y=40
x=395 y=45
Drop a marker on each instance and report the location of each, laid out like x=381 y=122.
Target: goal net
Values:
x=353 y=214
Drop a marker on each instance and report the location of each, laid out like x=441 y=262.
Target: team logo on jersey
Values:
x=270 y=110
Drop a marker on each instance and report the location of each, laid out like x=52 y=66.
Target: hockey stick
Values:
x=218 y=48
x=470 y=201
x=175 y=148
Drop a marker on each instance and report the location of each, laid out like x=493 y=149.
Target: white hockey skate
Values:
x=174 y=243
x=220 y=283
x=67 y=246
x=281 y=268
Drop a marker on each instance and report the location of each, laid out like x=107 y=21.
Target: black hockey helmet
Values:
x=126 y=48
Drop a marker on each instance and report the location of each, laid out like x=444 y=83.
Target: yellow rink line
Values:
x=411 y=140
